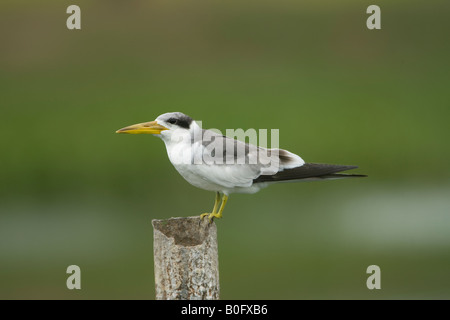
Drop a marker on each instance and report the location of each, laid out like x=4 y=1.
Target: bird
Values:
x=214 y=162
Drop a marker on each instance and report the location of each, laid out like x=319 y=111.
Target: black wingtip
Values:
x=345 y=175
x=309 y=171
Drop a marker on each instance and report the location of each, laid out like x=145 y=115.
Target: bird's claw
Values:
x=211 y=216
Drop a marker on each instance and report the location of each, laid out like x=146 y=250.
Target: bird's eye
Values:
x=172 y=121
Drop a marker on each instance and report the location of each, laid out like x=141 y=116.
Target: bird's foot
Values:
x=204 y=215
x=211 y=216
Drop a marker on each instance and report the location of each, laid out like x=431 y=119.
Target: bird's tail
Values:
x=310 y=172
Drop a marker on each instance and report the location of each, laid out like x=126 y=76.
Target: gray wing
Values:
x=233 y=163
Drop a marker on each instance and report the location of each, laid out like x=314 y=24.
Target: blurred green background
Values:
x=73 y=192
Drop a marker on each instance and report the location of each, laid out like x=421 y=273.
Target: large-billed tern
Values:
x=211 y=161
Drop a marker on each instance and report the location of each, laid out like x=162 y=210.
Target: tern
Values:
x=211 y=161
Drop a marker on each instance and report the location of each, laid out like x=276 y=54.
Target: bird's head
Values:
x=166 y=126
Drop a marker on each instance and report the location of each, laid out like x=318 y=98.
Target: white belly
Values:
x=187 y=171
x=181 y=157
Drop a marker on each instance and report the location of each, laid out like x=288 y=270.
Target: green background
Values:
x=73 y=192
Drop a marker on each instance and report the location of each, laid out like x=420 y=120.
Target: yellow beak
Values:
x=147 y=127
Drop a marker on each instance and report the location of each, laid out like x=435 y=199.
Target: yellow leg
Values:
x=216 y=205
x=216 y=202
x=222 y=206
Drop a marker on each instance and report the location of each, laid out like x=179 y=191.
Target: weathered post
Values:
x=186 y=259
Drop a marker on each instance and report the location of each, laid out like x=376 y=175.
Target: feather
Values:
x=309 y=171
